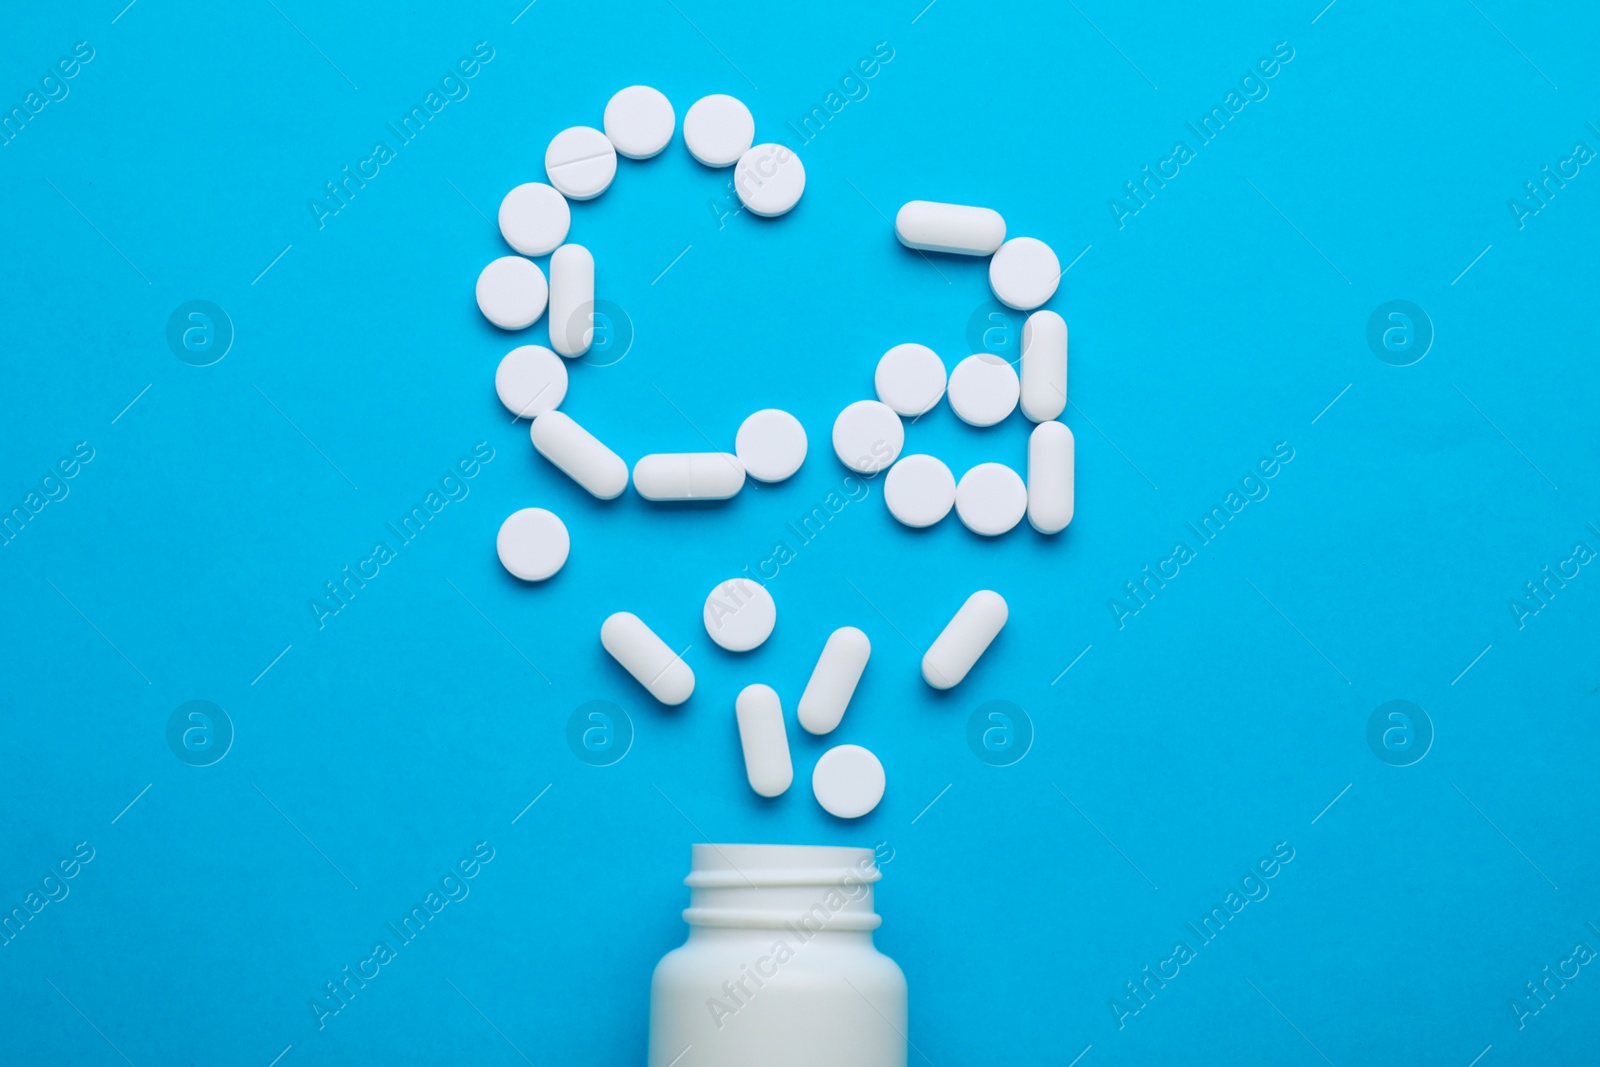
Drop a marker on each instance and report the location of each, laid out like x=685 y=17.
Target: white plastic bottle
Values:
x=779 y=969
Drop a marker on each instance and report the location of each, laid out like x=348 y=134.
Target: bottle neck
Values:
x=809 y=890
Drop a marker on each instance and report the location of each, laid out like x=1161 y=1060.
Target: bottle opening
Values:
x=813 y=887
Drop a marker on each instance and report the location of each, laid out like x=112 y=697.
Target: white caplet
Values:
x=1050 y=477
x=834 y=679
x=571 y=300
x=765 y=744
x=1044 y=365
x=649 y=659
x=935 y=227
x=688 y=475
x=964 y=639
x=579 y=454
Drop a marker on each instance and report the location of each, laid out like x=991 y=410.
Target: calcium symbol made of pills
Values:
x=868 y=436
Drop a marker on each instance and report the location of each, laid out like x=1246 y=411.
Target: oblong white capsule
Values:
x=964 y=639
x=1050 y=477
x=571 y=300
x=1044 y=363
x=765 y=744
x=648 y=658
x=579 y=454
x=935 y=227
x=688 y=475
x=833 y=679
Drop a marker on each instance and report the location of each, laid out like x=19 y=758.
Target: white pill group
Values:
x=965 y=638
x=868 y=436
x=649 y=659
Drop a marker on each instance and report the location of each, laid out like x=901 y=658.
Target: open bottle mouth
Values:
x=812 y=887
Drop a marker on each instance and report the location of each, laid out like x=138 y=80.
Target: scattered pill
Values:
x=934 y=227
x=964 y=639
x=1050 y=477
x=1044 y=366
x=649 y=659
x=868 y=436
x=769 y=179
x=581 y=162
x=771 y=444
x=834 y=679
x=688 y=476
x=579 y=454
x=910 y=379
x=765 y=743
x=639 y=121
x=534 y=218
x=991 y=499
x=848 y=781
x=740 y=614
x=531 y=380
x=920 y=490
x=1024 y=273
x=718 y=130
x=983 y=389
x=533 y=544
x=512 y=292
x=571 y=300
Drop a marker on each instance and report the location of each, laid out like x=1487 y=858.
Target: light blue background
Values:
x=423 y=718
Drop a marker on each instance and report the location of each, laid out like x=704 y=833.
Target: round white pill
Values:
x=533 y=544
x=534 y=218
x=1024 y=273
x=920 y=490
x=771 y=444
x=639 y=121
x=910 y=378
x=531 y=380
x=848 y=781
x=739 y=614
x=581 y=162
x=868 y=436
x=991 y=499
x=512 y=292
x=983 y=389
x=718 y=130
x=769 y=179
